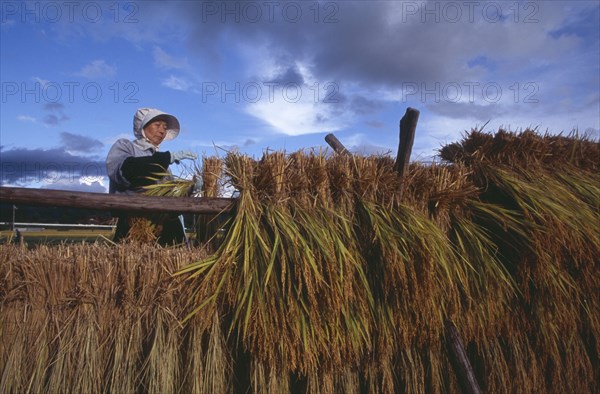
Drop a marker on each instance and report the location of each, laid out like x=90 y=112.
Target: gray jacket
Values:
x=128 y=179
x=121 y=150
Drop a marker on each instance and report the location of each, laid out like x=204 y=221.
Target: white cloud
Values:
x=365 y=145
x=41 y=81
x=89 y=180
x=177 y=83
x=97 y=69
x=293 y=107
x=26 y=118
x=165 y=61
x=293 y=119
x=74 y=184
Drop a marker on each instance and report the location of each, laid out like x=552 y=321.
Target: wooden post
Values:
x=337 y=146
x=457 y=353
x=460 y=360
x=408 y=126
x=12 y=224
x=114 y=202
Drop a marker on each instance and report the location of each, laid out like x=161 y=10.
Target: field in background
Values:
x=53 y=236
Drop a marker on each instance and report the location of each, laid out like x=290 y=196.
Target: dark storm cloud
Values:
x=381 y=43
x=381 y=48
x=22 y=166
x=79 y=143
x=360 y=42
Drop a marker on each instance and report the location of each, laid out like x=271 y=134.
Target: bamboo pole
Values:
x=114 y=202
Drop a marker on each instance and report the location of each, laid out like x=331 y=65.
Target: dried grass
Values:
x=91 y=318
x=330 y=280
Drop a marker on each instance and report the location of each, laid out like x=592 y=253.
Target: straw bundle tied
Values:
x=327 y=279
x=93 y=318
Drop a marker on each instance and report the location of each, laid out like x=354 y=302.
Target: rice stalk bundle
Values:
x=346 y=300
x=301 y=256
x=550 y=249
x=284 y=270
x=447 y=194
x=92 y=318
x=333 y=275
x=560 y=244
x=339 y=169
x=416 y=275
x=207 y=226
x=212 y=169
x=436 y=254
x=143 y=230
x=149 y=227
x=526 y=149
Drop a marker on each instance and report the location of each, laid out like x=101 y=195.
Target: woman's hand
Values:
x=177 y=156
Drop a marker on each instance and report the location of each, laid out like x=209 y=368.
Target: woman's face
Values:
x=156 y=131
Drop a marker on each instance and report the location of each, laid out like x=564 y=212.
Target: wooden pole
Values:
x=457 y=353
x=12 y=224
x=114 y=202
x=408 y=126
x=460 y=360
x=337 y=146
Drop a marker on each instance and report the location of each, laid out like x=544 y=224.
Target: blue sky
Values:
x=257 y=75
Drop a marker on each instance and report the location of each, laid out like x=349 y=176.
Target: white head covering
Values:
x=143 y=116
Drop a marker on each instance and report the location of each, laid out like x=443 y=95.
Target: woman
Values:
x=132 y=164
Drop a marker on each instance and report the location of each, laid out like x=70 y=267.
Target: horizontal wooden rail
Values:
x=114 y=202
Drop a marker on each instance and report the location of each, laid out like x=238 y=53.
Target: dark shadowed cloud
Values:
x=375 y=124
x=374 y=50
x=54 y=107
x=56 y=116
x=79 y=143
x=22 y=166
x=382 y=43
x=54 y=120
x=365 y=106
x=290 y=76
